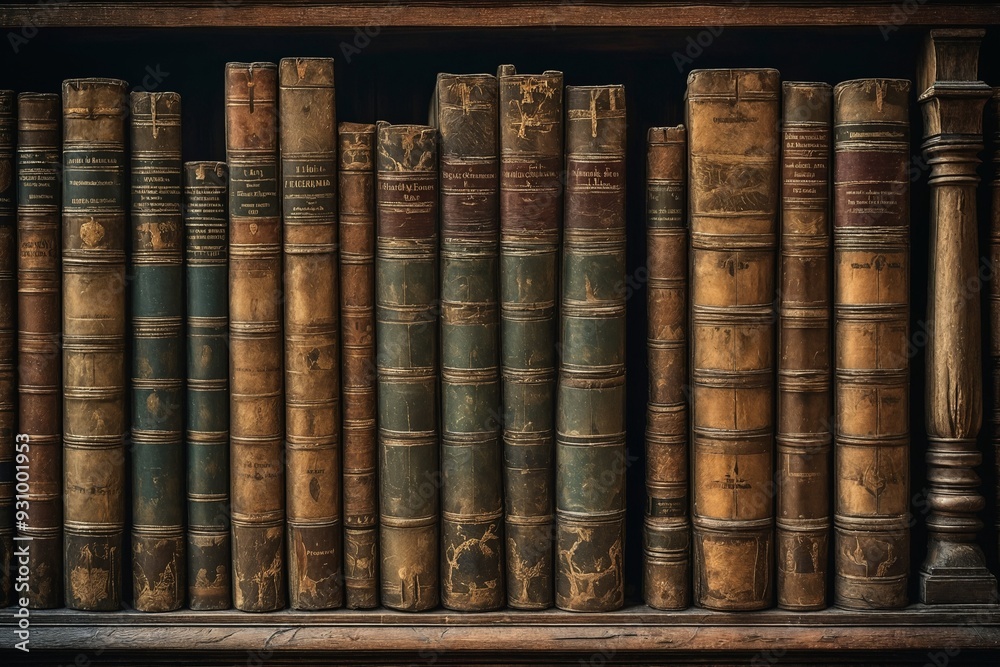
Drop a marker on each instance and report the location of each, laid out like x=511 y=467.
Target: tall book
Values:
x=732 y=120
x=590 y=404
x=256 y=380
x=206 y=209
x=8 y=339
x=666 y=536
x=158 y=566
x=871 y=257
x=993 y=145
x=38 y=340
x=357 y=321
x=805 y=391
x=472 y=567
x=406 y=293
x=531 y=156
x=308 y=140
x=93 y=361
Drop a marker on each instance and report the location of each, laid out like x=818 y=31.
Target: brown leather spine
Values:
x=805 y=394
x=8 y=339
x=357 y=321
x=255 y=337
x=732 y=120
x=308 y=139
x=39 y=333
x=871 y=218
x=666 y=536
x=93 y=264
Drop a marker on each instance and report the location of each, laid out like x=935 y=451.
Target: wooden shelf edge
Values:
x=437 y=14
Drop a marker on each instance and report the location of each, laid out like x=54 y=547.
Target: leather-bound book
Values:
x=472 y=566
x=732 y=120
x=38 y=340
x=209 y=558
x=992 y=120
x=357 y=350
x=93 y=361
x=406 y=294
x=8 y=338
x=256 y=345
x=666 y=536
x=871 y=225
x=308 y=140
x=805 y=382
x=590 y=404
x=158 y=567
x=531 y=167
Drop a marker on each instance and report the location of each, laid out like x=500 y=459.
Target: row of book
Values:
x=397 y=372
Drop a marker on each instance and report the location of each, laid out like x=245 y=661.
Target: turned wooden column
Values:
x=952 y=102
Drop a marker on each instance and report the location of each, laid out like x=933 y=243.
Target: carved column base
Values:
x=955 y=573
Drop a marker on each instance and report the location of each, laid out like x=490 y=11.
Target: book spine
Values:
x=206 y=217
x=39 y=333
x=93 y=265
x=357 y=319
x=8 y=340
x=256 y=380
x=406 y=293
x=472 y=567
x=667 y=527
x=308 y=140
x=158 y=565
x=993 y=122
x=805 y=392
x=531 y=155
x=871 y=306
x=732 y=120
x=590 y=404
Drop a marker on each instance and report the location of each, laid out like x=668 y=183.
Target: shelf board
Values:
x=492 y=14
x=639 y=628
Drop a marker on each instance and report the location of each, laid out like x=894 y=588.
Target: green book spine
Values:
x=531 y=155
x=8 y=337
x=206 y=211
x=406 y=293
x=472 y=567
x=590 y=404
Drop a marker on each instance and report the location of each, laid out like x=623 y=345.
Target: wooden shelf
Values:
x=494 y=14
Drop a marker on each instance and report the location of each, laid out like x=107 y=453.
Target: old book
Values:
x=357 y=324
x=732 y=120
x=158 y=566
x=93 y=269
x=256 y=380
x=206 y=209
x=666 y=534
x=531 y=167
x=38 y=339
x=8 y=338
x=472 y=566
x=308 y=140
x=590 y=404
x=871 y=224
x=406 y=293
x=993 y=146
x=805 y=391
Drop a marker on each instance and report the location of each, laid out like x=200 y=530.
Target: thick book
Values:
x=871 y=264
x=308 y=139
x=666 y=531
x=93 y=360
x=206 y=269
x=472 y=565
x=590 y=403
x=8 y=340
x=733 y=147
x=39 y=325
x=157 y=285
x=256 y=346
x=805 y=383
x=406 y=303
x=357 y=348
x=531 y=188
